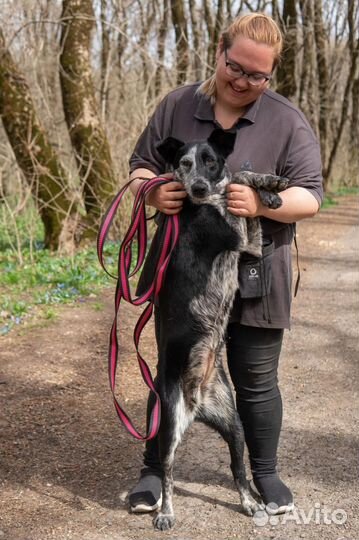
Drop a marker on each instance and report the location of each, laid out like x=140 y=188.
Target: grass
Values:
x=34 y=280
x=45 y=280
x=330 y=198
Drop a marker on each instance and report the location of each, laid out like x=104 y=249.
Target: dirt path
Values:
x=66 y=465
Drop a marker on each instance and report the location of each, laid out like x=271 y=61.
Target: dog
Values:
x=195 y=303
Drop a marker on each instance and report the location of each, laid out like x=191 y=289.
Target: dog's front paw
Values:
x=282 y=183
x=272 y=182
x=271 y=200
x=250 y=506
x=164 y=522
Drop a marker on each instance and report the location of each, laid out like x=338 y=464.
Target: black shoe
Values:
x=146 y=496
x=276 y=496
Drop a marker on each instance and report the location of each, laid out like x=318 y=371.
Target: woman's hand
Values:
x=167 y=198
x=243 y=201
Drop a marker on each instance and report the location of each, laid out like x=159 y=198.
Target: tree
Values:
x=307 y=72
x=286 y=72
x=162 y=34
x=34 y=154
x=353 y=49
x=105 y=59
x=181 y=32
x=87 y=135
x=321 y=41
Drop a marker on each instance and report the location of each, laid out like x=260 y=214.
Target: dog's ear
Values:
x=168 y=148
x=223 y=141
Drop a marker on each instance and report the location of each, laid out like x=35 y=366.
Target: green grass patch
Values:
x=330 y=198
x=353 y=190
x=329 y=201
x=46 y=279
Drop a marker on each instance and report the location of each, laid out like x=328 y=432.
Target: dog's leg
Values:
x=174 y=421
x=219 y=413
x=267 y=186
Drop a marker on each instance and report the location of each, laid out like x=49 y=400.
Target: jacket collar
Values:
x=204 y=110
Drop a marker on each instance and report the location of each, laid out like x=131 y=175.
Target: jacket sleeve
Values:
x=303 y=161
x=145 y=154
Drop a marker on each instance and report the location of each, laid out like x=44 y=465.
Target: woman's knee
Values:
x=253 y=355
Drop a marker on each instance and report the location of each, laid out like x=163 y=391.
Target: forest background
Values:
x=80 y=78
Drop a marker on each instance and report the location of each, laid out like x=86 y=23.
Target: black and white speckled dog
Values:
x=195 y=303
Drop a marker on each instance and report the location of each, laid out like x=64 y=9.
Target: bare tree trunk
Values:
x=353 y=46
x=105 y=60
x=121 y=21
x=34 y=153
x=87 y=135
x=354 y=133
x=162 y=34
x=286 y=73
x=197 y=63
x=208 y=17
x=306 y=89
x=147 y=15
x=276 y=12
x=323 y=80
x=180 y=26
x=217 y=28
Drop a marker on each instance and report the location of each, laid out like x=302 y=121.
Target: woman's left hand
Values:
x=243 y=201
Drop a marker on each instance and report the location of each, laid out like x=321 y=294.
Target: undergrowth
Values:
x=331 y=198
x=45 y=279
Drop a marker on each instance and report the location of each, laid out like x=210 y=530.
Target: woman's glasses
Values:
x=236 y=71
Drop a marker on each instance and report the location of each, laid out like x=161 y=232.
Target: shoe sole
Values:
x=281 y=510
x=272 y=511
x=143 y=508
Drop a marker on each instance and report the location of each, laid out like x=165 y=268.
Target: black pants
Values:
x=253 y=355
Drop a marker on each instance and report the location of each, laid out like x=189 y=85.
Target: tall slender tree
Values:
x=161 y=41
x=88 y=138
x=321 y=41
x=353 y=50
x=181 y=32
x=307 y=72
x=196 y=33
x=105 y=59
x=286 y=72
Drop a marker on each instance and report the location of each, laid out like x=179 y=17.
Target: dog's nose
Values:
x=199 y=190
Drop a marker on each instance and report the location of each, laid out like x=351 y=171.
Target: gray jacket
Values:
x=273 y=136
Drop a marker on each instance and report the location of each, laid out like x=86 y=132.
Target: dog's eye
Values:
x=210 y=162
x=187 y=163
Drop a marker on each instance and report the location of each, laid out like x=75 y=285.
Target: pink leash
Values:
x=137 y=231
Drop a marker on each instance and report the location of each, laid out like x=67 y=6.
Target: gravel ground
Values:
x=66 y=465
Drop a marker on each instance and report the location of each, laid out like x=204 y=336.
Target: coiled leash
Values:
x=137 y=232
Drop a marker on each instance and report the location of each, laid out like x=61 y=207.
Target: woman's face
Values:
x=253 y=58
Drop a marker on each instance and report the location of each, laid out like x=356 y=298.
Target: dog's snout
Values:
x=199 y=189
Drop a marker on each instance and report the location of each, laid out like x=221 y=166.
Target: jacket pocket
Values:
x=255 y=274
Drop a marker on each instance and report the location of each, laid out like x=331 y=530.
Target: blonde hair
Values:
x=259 y=27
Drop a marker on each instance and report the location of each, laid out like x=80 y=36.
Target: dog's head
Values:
x=200 y=165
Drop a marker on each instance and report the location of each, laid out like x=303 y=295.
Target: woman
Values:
x=272 y=136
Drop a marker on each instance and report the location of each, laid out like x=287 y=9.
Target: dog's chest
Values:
x=213 y=246
x=212 y=307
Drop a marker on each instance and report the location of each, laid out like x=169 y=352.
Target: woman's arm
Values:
x=298 y=203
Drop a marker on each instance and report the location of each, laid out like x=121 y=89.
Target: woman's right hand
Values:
x=167 y=198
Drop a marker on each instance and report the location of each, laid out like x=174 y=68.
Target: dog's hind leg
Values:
x=174 y=421
x=219 y=413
